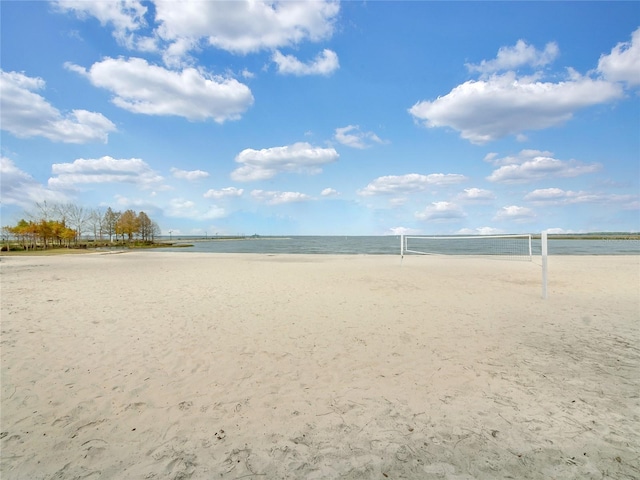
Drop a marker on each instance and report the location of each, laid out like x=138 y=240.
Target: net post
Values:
x=543 y=240
x=530 y=250
x=402 y=245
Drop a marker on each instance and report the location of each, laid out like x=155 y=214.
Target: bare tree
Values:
x=109 y=222
x=94 y=220
x=76 y=218
x=46 y=211
x=155 y=231
x=145 y=226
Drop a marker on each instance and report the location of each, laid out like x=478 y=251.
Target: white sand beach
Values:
x=184 y=365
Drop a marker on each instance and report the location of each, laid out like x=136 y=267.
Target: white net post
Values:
x=402 y=245
x=543 y=240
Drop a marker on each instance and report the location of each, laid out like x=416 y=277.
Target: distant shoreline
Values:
x=551 y=236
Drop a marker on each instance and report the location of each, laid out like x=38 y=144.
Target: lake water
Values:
x=390 y=245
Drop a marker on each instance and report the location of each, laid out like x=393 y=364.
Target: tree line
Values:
x=51 y=225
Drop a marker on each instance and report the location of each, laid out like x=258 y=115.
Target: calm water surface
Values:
x=390 y=245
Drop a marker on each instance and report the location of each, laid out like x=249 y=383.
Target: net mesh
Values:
x=516 y=247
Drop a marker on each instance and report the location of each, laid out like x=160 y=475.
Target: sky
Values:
x=325 y=117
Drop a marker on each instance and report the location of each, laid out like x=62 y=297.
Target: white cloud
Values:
x=529 y=166
x=181 y=208
x=103 y=170
x=403 y=231
x=515 y=213
x=441 y=211
x=224 y=193
x=502 y=105
x=329 y=192
x=266 y=163
x=623 y=63
x=125 y=16
x=412 y=182
x=190 y=175
x=480 y=231
x=122 y=14
x=521 y=54
x=351 y=136
x=279 y=198
x=476 y=195
x=21 y=189
x=152 y=90
x=244 y=26
x=324 y=64
x=557 y=196
x=521 y=157
x=134 y=203
x=25 y=114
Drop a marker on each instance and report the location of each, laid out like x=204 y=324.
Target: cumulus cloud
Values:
x=520 y=157
x=19 y=188
x=228 y=192
x=329 y=192
x=476 y=195
x=623 y=63
x=190 y=175
x=125 y=16
x=279 y=198
x=351 y=136
x=240 y=26
x=412 y=182
x=103 y=170
x=324 y=64
x=515 y=213
x=532 y=165
x=181 y=208
x=266 y=163
x=25 y=114
x=245 y=26
x=521 y=54
x=502 y=105
x=441 y=211
x=557 y=196
x=152 y=90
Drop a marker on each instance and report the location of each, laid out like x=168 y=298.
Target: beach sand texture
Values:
x=204 y=366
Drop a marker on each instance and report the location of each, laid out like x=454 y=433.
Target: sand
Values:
x=181 y=365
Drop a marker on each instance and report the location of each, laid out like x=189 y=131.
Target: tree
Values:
x=95 y=220
x=45 y=210
x=155 y=231
x=27 y=233
x=64 y=223
x=145 y=226
x=110 y=221
x=45 y=231
x=77 y=218
x=128 y=225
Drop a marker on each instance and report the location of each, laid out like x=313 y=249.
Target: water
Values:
x=390 y=245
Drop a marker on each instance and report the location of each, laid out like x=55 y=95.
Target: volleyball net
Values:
x=507 y=247
x=512 y=247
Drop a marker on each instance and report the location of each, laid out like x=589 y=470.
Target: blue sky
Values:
x=321 y=118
